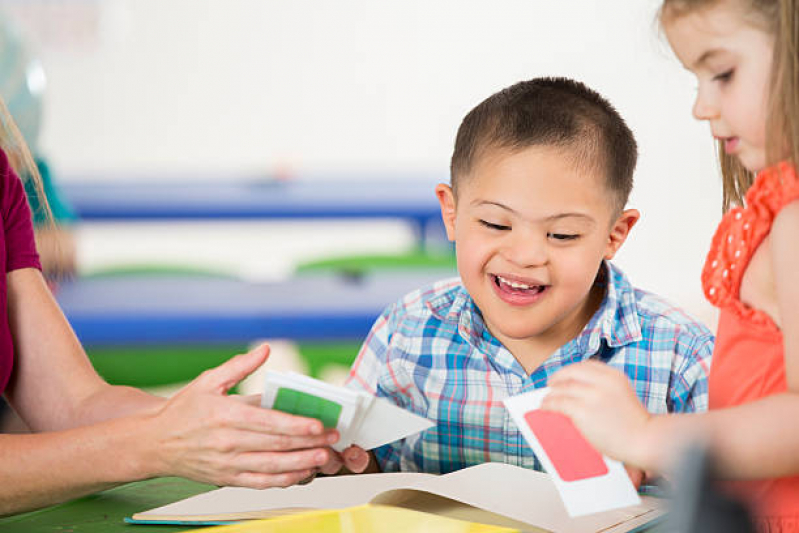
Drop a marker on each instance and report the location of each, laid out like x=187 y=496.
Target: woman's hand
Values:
x=203 y=434
x=602 y=404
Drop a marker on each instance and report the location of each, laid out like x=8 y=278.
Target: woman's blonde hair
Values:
x=781 y=18
x=20 y=158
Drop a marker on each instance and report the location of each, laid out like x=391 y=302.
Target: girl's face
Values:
x=730 y=55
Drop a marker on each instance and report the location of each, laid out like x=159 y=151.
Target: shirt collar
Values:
x=616 y=321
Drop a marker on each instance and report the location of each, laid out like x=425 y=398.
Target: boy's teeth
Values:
x=514 y=284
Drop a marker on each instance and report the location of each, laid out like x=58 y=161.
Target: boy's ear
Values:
x=620 y=230
x=447 y=200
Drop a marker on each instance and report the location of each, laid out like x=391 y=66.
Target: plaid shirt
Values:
x=432 y=354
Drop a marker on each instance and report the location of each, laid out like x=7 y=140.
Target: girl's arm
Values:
x=97 y=436
x=759 y=439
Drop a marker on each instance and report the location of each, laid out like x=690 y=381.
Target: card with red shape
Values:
x=587 y=481
x=573 y=457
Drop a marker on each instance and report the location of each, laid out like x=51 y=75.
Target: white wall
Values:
x=370 y=85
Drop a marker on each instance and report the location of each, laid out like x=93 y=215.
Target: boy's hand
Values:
x=602 y=404
x=355 y=459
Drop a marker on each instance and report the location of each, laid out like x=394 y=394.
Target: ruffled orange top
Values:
x=748 y=360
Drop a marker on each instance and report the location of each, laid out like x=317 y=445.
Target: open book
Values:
x=492 y=493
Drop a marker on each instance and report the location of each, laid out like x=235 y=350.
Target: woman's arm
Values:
x=97 y=436
x=53 y=385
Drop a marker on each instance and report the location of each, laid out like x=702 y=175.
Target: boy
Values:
x=540 y=173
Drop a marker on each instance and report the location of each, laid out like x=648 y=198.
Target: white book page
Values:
x=517 y=493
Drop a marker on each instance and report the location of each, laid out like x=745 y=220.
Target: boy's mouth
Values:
x=517 y=292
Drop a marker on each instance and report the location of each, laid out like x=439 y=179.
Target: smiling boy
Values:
x=540 y=177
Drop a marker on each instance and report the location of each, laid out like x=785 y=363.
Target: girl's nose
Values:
x=703 y=108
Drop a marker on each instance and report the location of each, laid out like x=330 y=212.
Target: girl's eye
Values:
x=563 y=236
x=497 y=227
x=724 y=76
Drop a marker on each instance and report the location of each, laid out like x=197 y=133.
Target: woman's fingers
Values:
x=279 y=462
x=237 y=441
x=224 y=377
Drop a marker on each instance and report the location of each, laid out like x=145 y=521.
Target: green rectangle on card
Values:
x=303 y=404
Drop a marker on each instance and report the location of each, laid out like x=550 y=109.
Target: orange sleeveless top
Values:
x=748 y=359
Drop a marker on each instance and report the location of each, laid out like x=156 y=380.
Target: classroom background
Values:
x=197 y=90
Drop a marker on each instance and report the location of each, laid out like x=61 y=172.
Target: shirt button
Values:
x=738 y=215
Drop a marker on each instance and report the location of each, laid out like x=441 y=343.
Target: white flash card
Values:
x=360 y=418
x=588 y=482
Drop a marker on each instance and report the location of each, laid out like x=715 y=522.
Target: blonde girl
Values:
x=88 y=435
x=745 y=56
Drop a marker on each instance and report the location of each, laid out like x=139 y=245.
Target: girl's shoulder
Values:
x=742 y=230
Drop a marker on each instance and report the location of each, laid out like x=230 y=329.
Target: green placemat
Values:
x=104 y=512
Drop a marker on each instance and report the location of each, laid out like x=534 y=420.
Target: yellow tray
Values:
x=360 y=519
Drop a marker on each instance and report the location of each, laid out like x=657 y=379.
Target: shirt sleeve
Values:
x=688 y=392
x=368 y=375
x=17 y=224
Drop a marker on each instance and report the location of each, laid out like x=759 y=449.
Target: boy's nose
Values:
x=526 y=251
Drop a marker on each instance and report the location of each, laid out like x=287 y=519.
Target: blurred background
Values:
x=174 y=95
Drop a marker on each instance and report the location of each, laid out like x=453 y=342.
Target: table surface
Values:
x=154 y=309
x=104 y=512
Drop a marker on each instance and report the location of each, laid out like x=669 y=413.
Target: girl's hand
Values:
x=203 y=434
x=602 y=404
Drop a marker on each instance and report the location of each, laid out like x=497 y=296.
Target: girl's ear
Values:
x=620 y=230
x=447 y=200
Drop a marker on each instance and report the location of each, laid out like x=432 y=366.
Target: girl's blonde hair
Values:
x=781 y=19
x=20 y=158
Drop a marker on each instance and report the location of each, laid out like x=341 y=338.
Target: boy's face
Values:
x=530 y=233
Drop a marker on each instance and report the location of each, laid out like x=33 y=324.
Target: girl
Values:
x=90 y=435
x=745 y=56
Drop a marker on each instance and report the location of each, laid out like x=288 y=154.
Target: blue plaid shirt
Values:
x=432 y=354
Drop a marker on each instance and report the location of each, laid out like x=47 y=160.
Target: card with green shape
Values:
x=360 y=418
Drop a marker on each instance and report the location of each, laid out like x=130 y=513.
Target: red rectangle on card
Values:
x=573 y=457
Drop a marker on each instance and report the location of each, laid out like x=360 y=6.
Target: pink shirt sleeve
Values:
x=17 y=225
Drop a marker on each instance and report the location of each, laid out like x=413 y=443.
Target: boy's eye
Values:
x=493 y=226
x=724 y=76
x=563 y=236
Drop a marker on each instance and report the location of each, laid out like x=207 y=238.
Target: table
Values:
x=152 y=309
x=104 y=512
x=411 y=199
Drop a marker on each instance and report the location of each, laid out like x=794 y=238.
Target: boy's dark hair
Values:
x=556 y=112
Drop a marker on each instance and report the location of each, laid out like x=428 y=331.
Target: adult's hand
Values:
x=203 y=434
